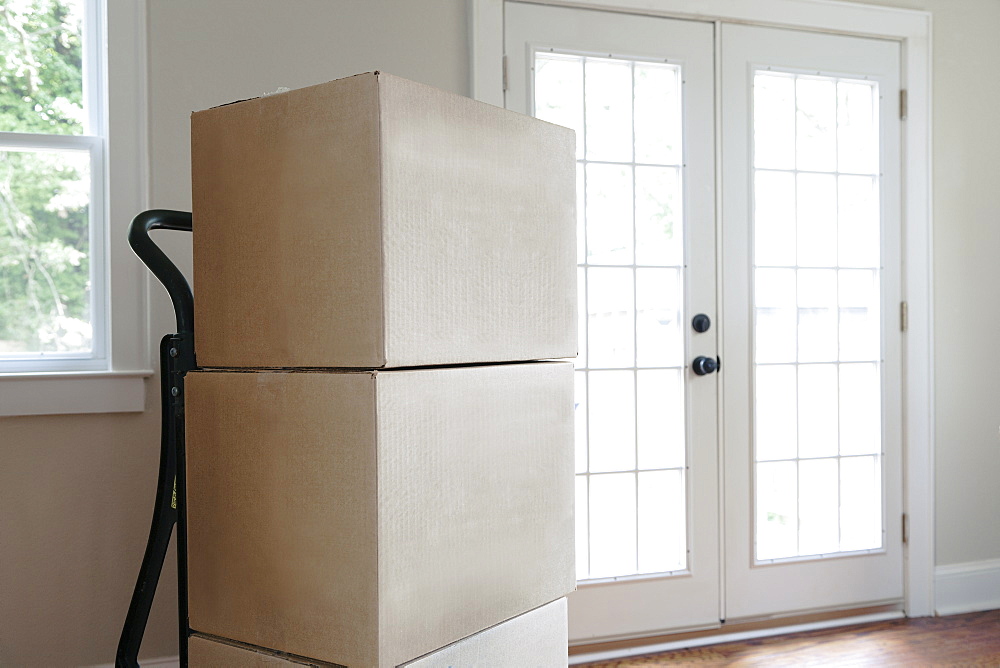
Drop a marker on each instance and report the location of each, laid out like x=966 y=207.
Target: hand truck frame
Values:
x=170 y=506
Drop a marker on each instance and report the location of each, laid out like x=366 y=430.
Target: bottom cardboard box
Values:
x=536 y=639
x=368 y=518
x=212 y=652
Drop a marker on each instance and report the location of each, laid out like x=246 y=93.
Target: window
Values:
x=51 y=188
x=73 y=333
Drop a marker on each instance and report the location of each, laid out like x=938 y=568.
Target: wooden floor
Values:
x=958 y=640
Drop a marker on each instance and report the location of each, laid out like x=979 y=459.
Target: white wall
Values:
x=77 y=490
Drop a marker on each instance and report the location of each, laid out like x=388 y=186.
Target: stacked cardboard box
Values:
x=536 y=638
x=379 y=460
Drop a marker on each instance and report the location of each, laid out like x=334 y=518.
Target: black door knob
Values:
x=700 y=323
x=704 y=365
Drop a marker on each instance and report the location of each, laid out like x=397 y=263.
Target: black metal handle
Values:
x=169 y=509
x=161 y=266
x=705 y=365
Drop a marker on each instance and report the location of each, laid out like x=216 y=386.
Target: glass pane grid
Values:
x=817 y=329
x=631 y=477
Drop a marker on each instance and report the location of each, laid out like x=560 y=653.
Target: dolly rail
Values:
x=176 y=359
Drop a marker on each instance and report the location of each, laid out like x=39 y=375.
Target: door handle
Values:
x=705 y=365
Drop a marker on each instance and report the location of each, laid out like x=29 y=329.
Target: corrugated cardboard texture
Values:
x=485 y=451
x=218 y=653
x=321 y=530
x=285 y=193
x=375 y=222
x=536 y=639
x=478 y=207
x=282 y=511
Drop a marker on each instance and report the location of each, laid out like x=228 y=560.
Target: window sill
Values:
x=73 y=392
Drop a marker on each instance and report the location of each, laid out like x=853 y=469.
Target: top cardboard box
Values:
x=375 y=222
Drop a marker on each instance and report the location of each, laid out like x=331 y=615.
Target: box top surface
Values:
x=380 y=77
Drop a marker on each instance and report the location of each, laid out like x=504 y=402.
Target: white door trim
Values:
x=913 y=29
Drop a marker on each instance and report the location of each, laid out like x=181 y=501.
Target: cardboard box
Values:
x=375 y=222
x=368 y=518
x=208 y=652
x=536 y=639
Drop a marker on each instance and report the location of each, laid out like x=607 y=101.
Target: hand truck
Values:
x=176 y=359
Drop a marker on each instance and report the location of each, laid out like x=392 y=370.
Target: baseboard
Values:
x=161 y=662
x=656 y=648
x=968 y=587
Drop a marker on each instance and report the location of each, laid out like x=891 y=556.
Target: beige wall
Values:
x=966 y=278
x=77 y=490
x=966 y=275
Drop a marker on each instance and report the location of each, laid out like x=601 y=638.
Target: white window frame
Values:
x=112 y=380
x=913 y=30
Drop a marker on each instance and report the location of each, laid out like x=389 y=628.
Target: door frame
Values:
x=912 y=29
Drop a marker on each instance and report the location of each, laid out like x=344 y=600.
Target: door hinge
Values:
x=902 y=104
x=505 y=73
x=904 y=316
x=906 y=529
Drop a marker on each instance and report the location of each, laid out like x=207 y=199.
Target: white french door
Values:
x=811 y=246
x=639 y=93
x=773 y=486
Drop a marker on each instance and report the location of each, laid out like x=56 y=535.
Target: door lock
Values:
x=705 y=365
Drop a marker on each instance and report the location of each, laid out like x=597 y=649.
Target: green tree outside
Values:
x=44 y=195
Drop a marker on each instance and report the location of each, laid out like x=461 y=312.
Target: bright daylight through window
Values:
x=631 y=500
x=816 y=297
x=51 y=166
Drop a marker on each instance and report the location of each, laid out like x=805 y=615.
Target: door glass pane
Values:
x=857 y=128
x=582 y=527
x=776 y=427
x=777 y=509
x=661 y=531
x=613 y=525
x=559 y=93
x=817 y=410
x=819 y=500
x=816 y=196
x=660 y=419
x=611 y=401
x=815 y=123
x=608 y=106
x=610 y=317
x=860 y=485
x=631 y=446
x=774 y=126
x=817 y=327
x=774 y=231
x=609 y=209
x=658 y=216
x=580 y=424
x=658 y=332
